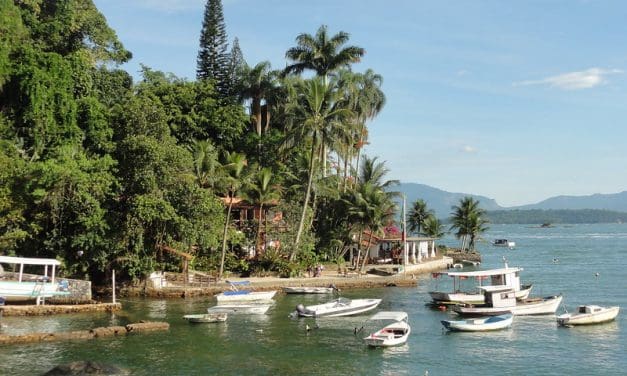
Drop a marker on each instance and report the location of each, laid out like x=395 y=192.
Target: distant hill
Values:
x=539 y=216
x=613 y=201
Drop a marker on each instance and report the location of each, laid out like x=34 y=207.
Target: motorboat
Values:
x=309 y=290
x=393 y=334
x=587 y=315
x=481 y=324
x=503 y=243
x=337 y=307
x=19 y=286
x=501 y=300
x=206 y=317
x=238 y=295
x=505 y=276
x=258 y=309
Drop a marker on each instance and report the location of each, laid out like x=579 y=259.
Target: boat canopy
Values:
x=496 y=288
x=239 y=283
x=483 y=273
x=390 y=315
x=28 y=261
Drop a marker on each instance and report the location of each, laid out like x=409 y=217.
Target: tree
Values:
x=418 y=214
x=469 y=221
x=262 y=191
x=257 y=84
x=432 y=227
x=213 y=58
x=236 y=66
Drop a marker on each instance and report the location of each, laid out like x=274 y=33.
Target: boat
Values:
x=504 y=276
x=206 y=317
x=258 y=309
x=338 y=307
x=481 y=324
x=19 y=286
x=393 y=334
x=309 y=290
x=237 y=295
x=500 y=300
x=503 y=243
x=588 y=314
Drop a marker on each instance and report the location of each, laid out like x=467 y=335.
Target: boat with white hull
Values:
x=479 y=324
x=257 y=309
x=238 y=295
x=588 y=315
x=309 y=290
x=501 y=300
x=393 y=334
x=338 y=307
x=19 y=286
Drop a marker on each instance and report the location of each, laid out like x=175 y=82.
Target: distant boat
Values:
x=504 y=243
x=237 y=295
x=588 y=314
x=393 y=334
x=206 y=317
x=479 y=324
x=309 y=290
x=337 y=307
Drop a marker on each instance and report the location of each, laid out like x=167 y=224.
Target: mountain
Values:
x=613 y=201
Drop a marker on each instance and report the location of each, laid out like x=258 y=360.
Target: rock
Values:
x=86 y=368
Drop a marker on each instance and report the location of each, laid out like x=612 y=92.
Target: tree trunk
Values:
x=306 y=203
x=363 y=263
x=226 y=227
x=361 y=232
x=257 y=243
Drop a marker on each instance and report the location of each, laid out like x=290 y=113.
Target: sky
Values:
x=517 y=101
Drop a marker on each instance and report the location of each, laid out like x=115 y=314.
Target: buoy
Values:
x=596 y=274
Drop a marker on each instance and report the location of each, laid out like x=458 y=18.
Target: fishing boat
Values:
x=393 y=334
x=258 y=309
x=505 y=276
x=309 y=290
x=503 y=243
x=500 y=300
x=238 y=295
x=19 y=286
x=338 y=307
x=587 y=315
x=482 y=324
x=206 y=317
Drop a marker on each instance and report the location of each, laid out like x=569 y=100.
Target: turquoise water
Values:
x=274 y=344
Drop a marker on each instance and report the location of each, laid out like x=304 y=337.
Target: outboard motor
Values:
x=300 y=308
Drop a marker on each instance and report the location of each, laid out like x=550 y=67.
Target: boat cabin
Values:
x=589 y=309
x=499 y=296
x=507 y=276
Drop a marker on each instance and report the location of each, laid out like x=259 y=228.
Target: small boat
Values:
x=258 y=309
x=237 y=295
x=206 y=317
x=503 y=243
x=19 y=286
x=309 y=290
x=500 y=300
x=588 y=314
x=479 y=324
x=393 y=334
x=338 y=307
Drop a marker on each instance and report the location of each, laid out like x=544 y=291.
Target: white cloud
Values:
x=586 y=79
x=469 y=149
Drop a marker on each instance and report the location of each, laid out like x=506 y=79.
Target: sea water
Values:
x=561 y=259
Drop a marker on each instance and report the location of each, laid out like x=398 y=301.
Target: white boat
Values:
x=393 y=334
x=19 y=286
x=206 y=317
x=338 y=307
x=500 y=300
x=309 y=290
x=503 y=243
x=502 y=277
x=588 y=314
x=258 y=309
x=237 y=295
x=482 y=324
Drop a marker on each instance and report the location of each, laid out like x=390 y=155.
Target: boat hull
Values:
x=206 y=318
x=245 y=296
x=394 y=334
x=607 y=315
x=542 y=306
x=338 y=308
x=308 y=290
x=258 y=309
x=479 y=325
x=14 y=291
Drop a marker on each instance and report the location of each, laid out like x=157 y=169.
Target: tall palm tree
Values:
x=206 y=163
x=314 y=113
x=469 y=221
x=374 y=172
x=233 y=168
x=418 y=214
x=262 y=192
x=433 y=227
x=258 y=84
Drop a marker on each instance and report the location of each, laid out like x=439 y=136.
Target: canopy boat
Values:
x=500 y=300
x=206 y=317
x=393 y=334
x=237 y=295
x=482 y=324
x=338 y=307
x=588 y=314
x=502 y=277
x=503 y=243
x=258 y=309
x=19 y=286
x=309 y=290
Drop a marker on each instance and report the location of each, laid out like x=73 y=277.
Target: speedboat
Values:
x=479 y=324
x=309 y=290
x=501 y=300
x=393 y=334
x=258 y=309
x=337 y=307
x=588 y=314
x=206 y=317
x=237 y=295
x=503 y=243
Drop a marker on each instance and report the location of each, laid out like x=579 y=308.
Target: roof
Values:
x=390 y=315
x=496 y=288
x=28 y=260
x=482 y=273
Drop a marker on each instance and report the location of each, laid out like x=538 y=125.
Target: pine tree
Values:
x=213 y=58
x=236 y=65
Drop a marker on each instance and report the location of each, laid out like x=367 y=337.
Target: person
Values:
x=318 y=271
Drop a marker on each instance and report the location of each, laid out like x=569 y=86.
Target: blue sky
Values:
x=517 y=101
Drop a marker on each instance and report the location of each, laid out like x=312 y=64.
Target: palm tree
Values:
x=418 y=214
x=258 y=84
x=233 y=169
x=468 y=219
x=262 y=192
x=314 y=113
x=373 y=172
x=206 y=163
x=432 y=227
